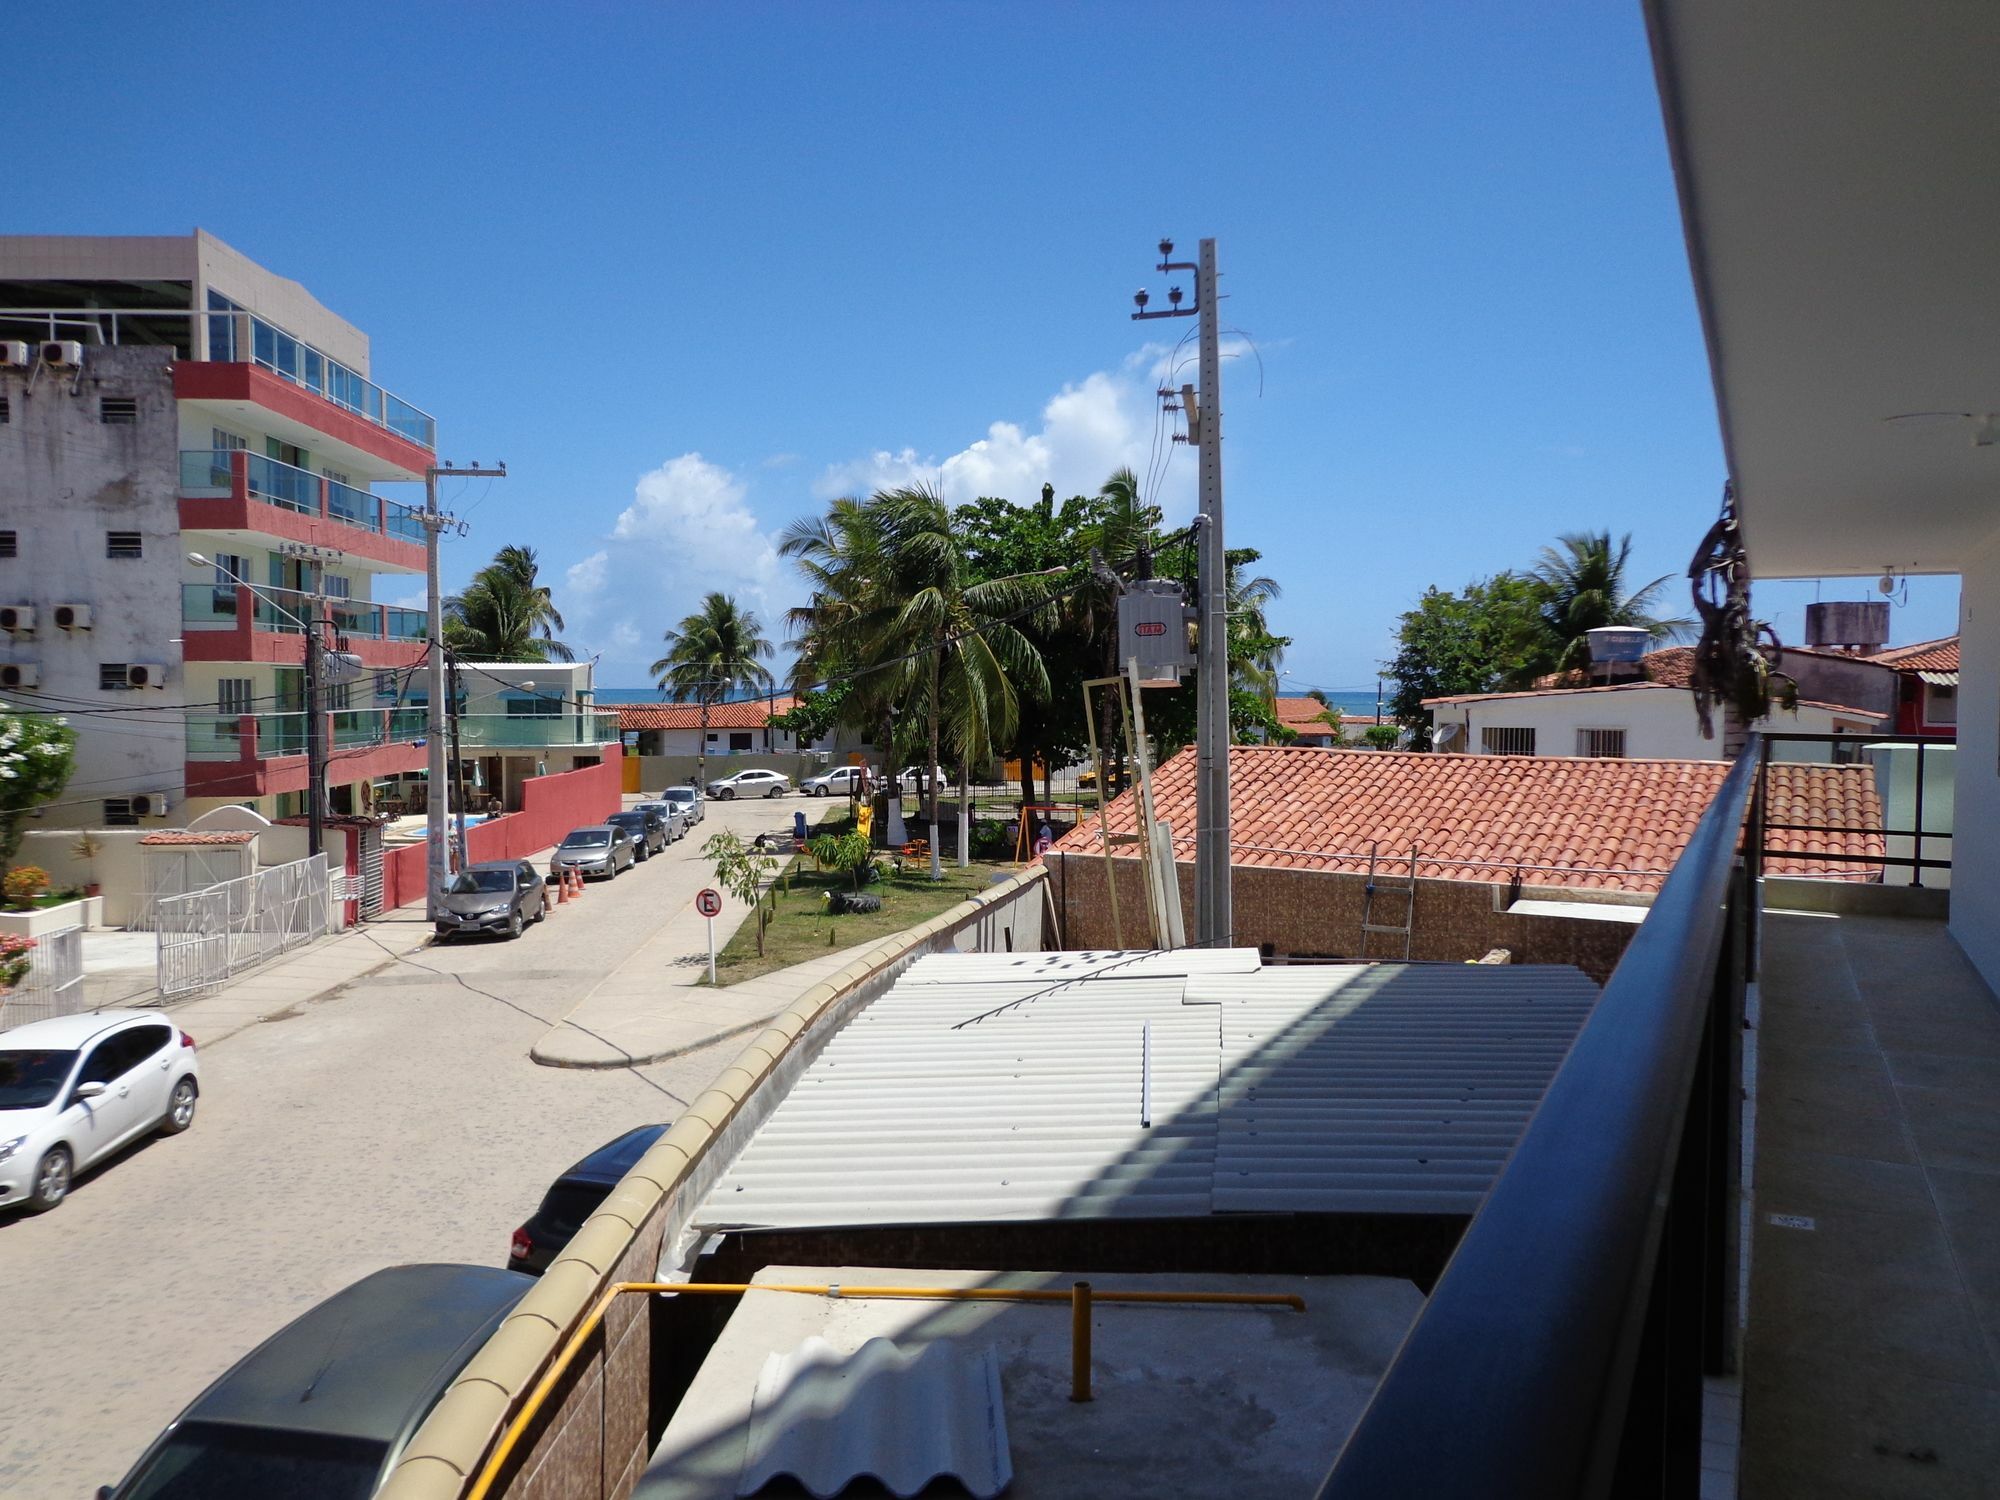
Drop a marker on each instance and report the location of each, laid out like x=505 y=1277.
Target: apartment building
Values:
x=190 y=449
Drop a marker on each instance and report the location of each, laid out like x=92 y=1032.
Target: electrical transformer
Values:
x=1153 y=627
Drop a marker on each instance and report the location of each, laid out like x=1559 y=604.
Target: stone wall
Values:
x=1317 y=914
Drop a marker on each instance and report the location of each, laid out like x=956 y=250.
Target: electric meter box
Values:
x=1153 y=627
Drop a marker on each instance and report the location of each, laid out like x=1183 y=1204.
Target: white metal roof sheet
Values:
x=960 y=1096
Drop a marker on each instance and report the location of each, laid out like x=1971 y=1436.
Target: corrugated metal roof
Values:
x=901 y=1417
x=966 y=1095
x=1940 y=679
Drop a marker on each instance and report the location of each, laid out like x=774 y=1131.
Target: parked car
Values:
x=648 y=831
x=841 y=781
x=598 y=851
x=676 y=815
x=690 y=798
x=76 y=1088
x=750 y=784
x=574 y=1197
x=325 y=1406
x=911 y=778
x=501 y=895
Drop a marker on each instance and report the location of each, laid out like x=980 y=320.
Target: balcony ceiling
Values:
x=1839 y=174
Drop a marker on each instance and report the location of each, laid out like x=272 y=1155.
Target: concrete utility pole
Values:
x=315 y=673
x=1213 y=914
x=435 y=860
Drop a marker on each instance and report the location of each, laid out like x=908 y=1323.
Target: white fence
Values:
x=207 y=935
x=54 y=986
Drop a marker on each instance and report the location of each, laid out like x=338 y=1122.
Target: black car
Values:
x=324 y=1407
x=575 y=1196
x=502 y=895
x=648 y=831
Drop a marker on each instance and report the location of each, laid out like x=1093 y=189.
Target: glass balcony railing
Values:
x=405 y=625
x=230 y=737
x=236 y=336
x=219 y=606
x=211 y=472
x=535 y=731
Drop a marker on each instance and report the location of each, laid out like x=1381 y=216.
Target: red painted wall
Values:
x=550 y=807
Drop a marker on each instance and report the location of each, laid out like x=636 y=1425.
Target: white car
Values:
x=842 y=781
x=75 y=1089
x=750 y=784
x=689 y=798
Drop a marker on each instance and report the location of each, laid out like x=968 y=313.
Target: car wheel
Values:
x=180 y=1108
x=51 y=1181
x=542 y=907
x=727 y=794
x=515 y=924
x=776 y=791
x=819 y=791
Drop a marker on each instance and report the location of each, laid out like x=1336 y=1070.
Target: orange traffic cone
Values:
x=576 y=889
x=562 y=888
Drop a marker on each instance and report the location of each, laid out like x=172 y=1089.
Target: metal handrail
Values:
x=1515 y=1379
x=1914 y=861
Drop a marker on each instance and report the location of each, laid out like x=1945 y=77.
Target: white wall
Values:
x=1975 y=876
x=1659 y=722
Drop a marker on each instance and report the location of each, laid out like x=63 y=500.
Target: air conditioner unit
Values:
x=151 y=804
x=17 y=619
x=146 y=674
x=20 y=674
x=72 y=616
x=13 y=354
x=63 y=353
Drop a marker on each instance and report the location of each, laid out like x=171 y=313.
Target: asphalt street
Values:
x=397 y=1120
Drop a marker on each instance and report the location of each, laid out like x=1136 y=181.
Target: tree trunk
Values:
x=701 y=749
x=964 y=816
x=930 y=772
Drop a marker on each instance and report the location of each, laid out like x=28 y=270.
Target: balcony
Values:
x=233 y=623
x=254 y=755
x=536 y=731
x=234 y=490
x=237 y=336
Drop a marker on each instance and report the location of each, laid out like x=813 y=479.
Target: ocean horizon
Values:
x=1357 y=703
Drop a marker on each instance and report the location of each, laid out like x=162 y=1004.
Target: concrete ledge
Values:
x=454 y=1440
x=1850 y=899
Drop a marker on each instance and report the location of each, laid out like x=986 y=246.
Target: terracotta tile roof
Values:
x=747 y=713
x=1603 y=824
x=1671 y=666
x=181 y=837
x=1925 y=656
x=1303 y=713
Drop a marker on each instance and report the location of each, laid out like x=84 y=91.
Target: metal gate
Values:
x=371 y=871
x=178 y=869
x=54 y=986
x=206 y=936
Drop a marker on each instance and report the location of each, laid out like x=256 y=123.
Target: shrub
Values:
x=25 y=882
x=16 y=954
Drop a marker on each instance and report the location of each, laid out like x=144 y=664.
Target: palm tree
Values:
x=505 y=613
x=1584 y=579
x=713 y=653
x=1254 y=653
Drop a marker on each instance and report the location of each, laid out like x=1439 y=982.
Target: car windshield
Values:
x=477 y=882
x=205 y=1459
x=628 y=820
x=679 y=794
x=28 y=1080
x=589 y=838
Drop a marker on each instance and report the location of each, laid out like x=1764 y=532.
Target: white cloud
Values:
x=688 y=530
x=1087 y=430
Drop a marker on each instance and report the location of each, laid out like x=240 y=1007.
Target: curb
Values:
x=535 y=1053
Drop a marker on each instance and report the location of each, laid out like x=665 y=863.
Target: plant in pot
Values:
x=23 y=884
x=16 y=956
x=86 y=849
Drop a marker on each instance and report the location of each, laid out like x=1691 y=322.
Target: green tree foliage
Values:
x=845 y=853
x=713 y=654
x=817 y=713
x=1381 y=736
x=1483 y=639
x=741 y=870
x=506 y=613
x=1584 y=588
x=37 y=755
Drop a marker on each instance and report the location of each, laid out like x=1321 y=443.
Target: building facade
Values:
x=189 y=452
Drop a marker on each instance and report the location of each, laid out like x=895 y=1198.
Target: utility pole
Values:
x=315 y=673
x=1214 y=919
x=434 y=522
x=457 y=764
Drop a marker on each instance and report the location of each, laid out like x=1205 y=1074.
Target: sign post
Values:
x=709 y=903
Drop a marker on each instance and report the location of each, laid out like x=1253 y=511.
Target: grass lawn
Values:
x=800 y=929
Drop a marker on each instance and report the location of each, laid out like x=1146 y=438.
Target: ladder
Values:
x=1405 y=891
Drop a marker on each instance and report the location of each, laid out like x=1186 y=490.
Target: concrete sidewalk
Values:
x=316 y=970
x=657 y=1004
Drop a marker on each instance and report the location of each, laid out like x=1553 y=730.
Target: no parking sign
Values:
x=708 y=902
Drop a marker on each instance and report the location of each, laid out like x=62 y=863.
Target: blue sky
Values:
x=692 y=269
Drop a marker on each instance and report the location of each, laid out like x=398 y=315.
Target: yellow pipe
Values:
x=510 y=1437
x=1079 y=1342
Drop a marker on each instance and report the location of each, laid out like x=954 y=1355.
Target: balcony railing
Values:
x=1907 y=843
x=207 y=472
x=222 y=606
x=237 y=737
x=1562 y=1352
x=536 y=731
x=234 y=335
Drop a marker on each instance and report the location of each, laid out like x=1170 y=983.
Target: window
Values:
x=234 y=695
x=739 y=741
x=118 y=813
x=334 y=697
x=118 y=411
x=1940 y=703
x=227 y=442
x=113 y=677
x=10 y=544
x=1507 y=741
x=286 y=453
x=335 y=587
x=1601 y=744
x=531 y=706
x=124 y=544
x=6 y=412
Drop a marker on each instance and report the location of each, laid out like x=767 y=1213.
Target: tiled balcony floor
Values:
x=1872 y=1363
